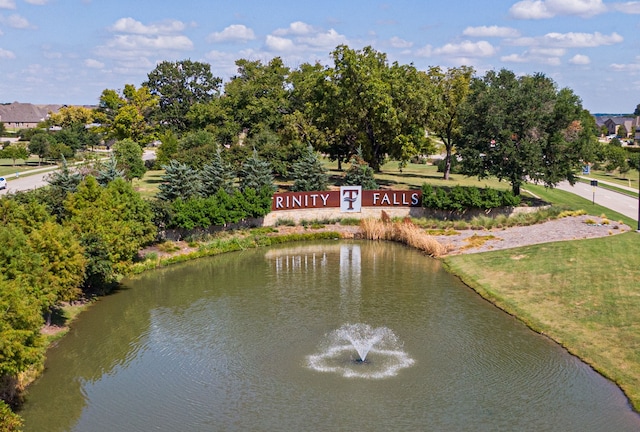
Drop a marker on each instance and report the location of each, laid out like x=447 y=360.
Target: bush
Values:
x=220 y=209
x=455 y=165
x=459 y=198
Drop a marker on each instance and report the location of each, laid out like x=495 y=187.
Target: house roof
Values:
x=17 y=112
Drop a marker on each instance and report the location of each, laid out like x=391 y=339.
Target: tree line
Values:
x=517 y=128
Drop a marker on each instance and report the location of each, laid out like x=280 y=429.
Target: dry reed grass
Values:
x=404 y=232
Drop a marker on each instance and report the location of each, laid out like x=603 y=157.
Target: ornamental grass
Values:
x=401 y=231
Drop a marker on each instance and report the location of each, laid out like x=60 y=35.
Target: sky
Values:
x=69 y=51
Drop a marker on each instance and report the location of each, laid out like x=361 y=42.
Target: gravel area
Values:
x=569 y=228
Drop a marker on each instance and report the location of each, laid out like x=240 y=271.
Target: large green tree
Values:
x=522 y=128
x=128 y=155
x=113 y=223
x=379 y=107
x=127 y=114
x=258 y=95
x=451 y=88
x=180 y=85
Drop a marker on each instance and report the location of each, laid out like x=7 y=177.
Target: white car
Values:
x=3 y=183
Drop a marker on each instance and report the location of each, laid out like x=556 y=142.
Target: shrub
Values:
x=459 y=198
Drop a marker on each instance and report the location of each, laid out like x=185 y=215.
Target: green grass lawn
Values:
x=629 y=179
x=584 y=294
x=8 y=168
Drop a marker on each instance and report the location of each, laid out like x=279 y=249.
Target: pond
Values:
x=271 y=339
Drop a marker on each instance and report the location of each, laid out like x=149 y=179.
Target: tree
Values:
x=179 y=85
x=195 y=148
x=15 y=151
x=257 y=96
x=179 y=181
x=217 y=174
x=129 y=156
x=256 y=174
x=451 y=88
x=20 y=326
x=42 y=255
x=109 y=171
x=360 y=173
x=128 y=114
x=622 y=131
x=40 y=144
x=309 y=174
x=523 y=128
x=112 y=223
x=616 y=158
x=68 y=116
x=377 y=107
x=167 y=149
x=65 y=179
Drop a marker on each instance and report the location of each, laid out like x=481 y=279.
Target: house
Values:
x=614 y=124
x=18 y=115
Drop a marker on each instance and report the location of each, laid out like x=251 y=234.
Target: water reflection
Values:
x=222 y=344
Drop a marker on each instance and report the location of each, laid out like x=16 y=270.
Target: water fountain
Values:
x=359 y=350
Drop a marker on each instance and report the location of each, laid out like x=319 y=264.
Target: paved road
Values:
x=623 y=204
x=37 y=177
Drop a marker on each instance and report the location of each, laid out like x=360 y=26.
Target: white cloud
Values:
x=137 y=46
x=397 y=42
x=51 y=54
x=632 y=7
x=547 y=56
x=233 y=33
x=93 y=64
x=580 y=59
x=132 y=26
x=7 y=4
x=425 y=51
x=570 y=40
x=6 y=54
x=629 y=67
x=297 y=28
x=277 y=43
x=491 y=31
x=466 y=49
x=304 y=38
x=15 y=21
x=324 y=41
x=541 y=9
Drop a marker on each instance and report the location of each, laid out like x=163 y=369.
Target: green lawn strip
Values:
x=584 y=294
x=611 y=188
x=574 y=202
x=630 y=178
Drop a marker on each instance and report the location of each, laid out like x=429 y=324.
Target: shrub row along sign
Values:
x=349 y=199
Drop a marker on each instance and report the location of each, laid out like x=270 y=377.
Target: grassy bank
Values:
x=583 y=294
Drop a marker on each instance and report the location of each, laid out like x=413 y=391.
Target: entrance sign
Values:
x=349 y=199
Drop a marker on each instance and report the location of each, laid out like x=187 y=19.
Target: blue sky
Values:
x=68 y=51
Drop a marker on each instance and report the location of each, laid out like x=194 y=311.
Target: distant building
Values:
x=613 y=124
x=18 y=115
